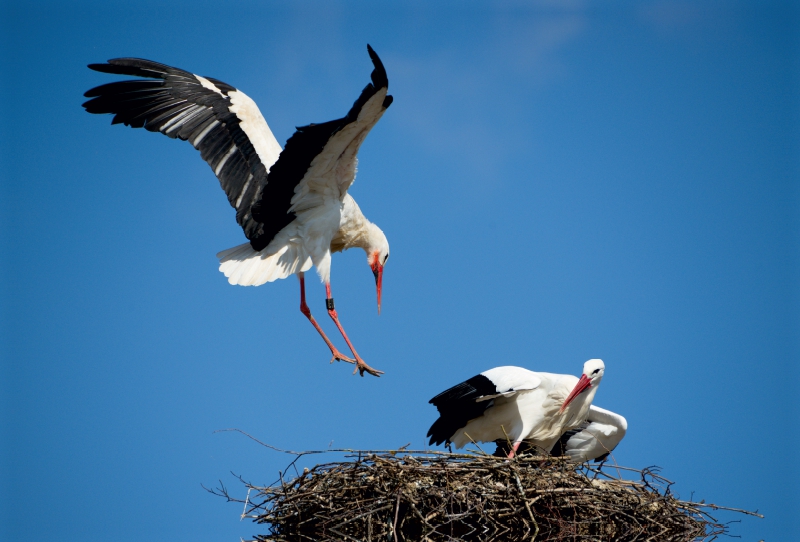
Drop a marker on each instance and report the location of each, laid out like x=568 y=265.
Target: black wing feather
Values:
x=304 y=145
x=458 y=405
x=174 y=102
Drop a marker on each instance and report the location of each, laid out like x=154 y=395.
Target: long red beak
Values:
x=582 y=385
x=377 y=270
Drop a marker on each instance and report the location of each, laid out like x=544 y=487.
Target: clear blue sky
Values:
x=557 y=182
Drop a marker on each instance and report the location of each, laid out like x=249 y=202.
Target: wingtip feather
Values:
x=379 y=77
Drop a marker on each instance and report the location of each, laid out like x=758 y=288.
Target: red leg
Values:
x=361 y=365
x=305 y=310
x=514 y=450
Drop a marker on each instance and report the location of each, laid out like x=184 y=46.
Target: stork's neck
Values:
x=578 y=409
x=354 y=228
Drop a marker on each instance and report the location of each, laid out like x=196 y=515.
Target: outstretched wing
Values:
x=221 y=122
x=470 y=399
x=320 y=159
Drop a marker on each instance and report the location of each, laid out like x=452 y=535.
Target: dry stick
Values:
x=351 y=450
x=508 y=439
x=715 y=507
x=347 y=536
x=527 y=506
x=244 y=510
x=475 y=443
x=368 y=513
x=396 y=513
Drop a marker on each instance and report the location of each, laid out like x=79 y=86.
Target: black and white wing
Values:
x=594 y=439
x=319 y=160
x=265 y=185
x=470 y=399
x=223 y=123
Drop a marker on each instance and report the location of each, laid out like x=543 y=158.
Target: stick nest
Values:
x=412 y=496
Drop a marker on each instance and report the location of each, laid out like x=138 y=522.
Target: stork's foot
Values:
x=362 y=367
x=338 y=356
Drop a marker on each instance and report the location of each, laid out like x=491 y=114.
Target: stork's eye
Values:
x=385 y=258
x=595 y=371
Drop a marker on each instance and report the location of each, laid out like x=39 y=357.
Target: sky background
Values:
x=558 y=181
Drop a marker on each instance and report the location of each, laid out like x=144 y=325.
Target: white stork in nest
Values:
x=293 y=203
x=515 y=405
x=593 y=440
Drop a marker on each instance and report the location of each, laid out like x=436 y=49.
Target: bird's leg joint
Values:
x=329 y=304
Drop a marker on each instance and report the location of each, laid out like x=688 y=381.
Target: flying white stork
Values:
x=594 y=439
x=515 y=404
x=293 y=203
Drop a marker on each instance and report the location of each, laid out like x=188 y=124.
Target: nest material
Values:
x=405 y=496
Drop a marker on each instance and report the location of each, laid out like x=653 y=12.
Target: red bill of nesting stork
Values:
x=293 y=203
x=594 y=439
x=515 y=404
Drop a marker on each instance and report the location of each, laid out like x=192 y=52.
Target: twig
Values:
x=396 y=513
x=527 y=505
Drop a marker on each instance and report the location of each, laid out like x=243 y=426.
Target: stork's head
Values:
x=377 y=253
x=592 y=375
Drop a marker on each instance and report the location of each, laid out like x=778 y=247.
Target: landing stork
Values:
x=515 y=404
x=293 y=203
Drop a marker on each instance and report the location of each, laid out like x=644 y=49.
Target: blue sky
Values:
x=558 y=181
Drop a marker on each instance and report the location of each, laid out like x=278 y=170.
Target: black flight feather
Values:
x=458 y=405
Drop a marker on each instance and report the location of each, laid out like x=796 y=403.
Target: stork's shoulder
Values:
x=558 y=381
x=350 y=208
x=510 y=378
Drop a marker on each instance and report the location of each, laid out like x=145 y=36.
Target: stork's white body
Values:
x=531 y=414
x=520 y=405
x=332 y=226
x=598 y=436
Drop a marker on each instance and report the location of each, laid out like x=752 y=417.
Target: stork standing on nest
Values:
x=293 y=203
x=515 y=404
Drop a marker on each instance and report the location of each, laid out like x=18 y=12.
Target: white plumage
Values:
x=595 y=438
x=516 y=404
x=245 y=266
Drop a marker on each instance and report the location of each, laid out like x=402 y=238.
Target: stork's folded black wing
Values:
x=458 y=405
